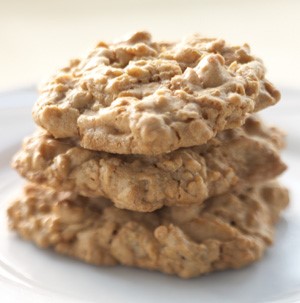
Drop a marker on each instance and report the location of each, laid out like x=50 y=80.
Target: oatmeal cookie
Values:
x=138 y=96
x=245 y=155
x=228 y=231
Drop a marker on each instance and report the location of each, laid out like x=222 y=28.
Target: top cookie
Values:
x=138 y=96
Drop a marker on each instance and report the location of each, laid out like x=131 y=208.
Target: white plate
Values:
x=28 y=274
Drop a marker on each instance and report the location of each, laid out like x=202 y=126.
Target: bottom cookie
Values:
x=229 y=231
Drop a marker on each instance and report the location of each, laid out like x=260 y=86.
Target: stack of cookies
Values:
x=149 y=154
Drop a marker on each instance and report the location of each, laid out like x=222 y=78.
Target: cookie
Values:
x=246 y=155
x=139 y=96
x=228 y=231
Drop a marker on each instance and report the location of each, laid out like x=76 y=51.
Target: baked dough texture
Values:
x=228 y=231
x=150 y=154
x=245 y=155
x=139 y=96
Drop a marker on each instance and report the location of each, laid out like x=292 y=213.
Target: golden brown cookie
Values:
x=245 y=155
x=228 y=231
x=139 y=96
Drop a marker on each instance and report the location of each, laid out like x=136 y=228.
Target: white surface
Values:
x=39 y=36
x=28 y=274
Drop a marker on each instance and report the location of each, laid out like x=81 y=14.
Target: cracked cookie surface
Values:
x=245 y=155
x=139 y=96
x=229 y=231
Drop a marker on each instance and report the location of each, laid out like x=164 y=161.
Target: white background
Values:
x=36 y=37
